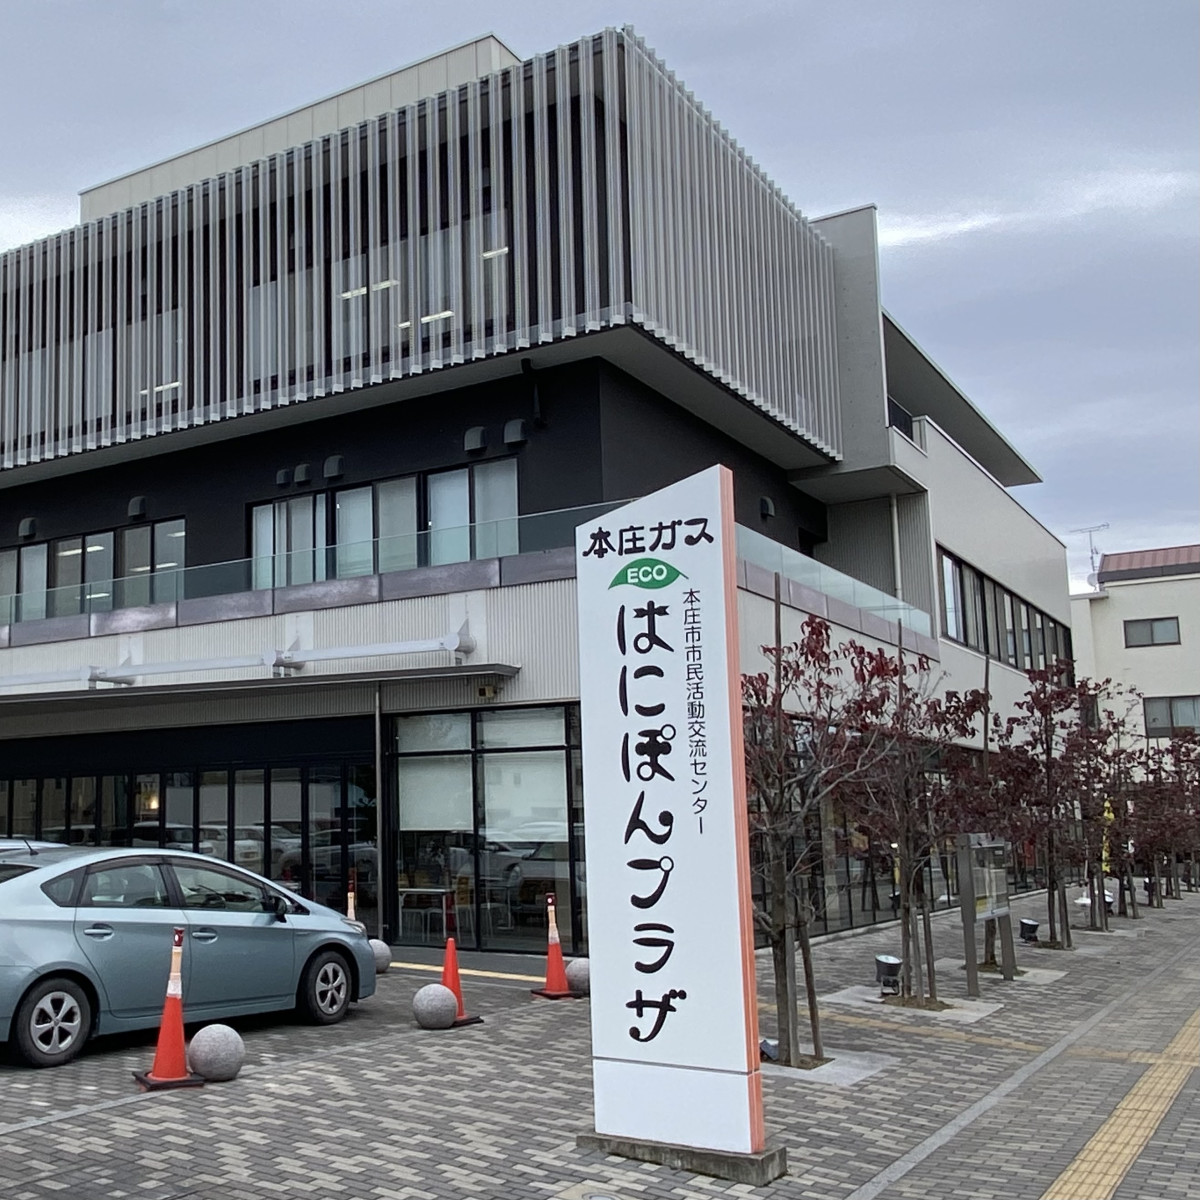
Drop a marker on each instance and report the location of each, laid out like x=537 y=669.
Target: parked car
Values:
x=85 y=946
x=175 y=837
x=17 y=845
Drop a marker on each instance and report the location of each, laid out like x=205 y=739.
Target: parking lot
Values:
x=999 y=1099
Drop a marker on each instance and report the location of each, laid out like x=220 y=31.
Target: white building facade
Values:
x=295 y=430
x=1141 y=629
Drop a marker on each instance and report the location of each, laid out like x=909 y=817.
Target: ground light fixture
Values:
x=887 y=974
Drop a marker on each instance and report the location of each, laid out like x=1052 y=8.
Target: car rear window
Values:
x=62 y=889
x=10 y=870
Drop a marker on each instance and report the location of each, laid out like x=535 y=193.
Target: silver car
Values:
x=85 y=946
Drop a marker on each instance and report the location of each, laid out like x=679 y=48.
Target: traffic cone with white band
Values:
x=556 y=987
x=170 y=1057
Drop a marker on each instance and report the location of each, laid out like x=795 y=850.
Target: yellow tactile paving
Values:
x=404 y=966
x=1100 y=1166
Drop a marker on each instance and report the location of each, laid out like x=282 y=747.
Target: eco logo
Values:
x=646 y=573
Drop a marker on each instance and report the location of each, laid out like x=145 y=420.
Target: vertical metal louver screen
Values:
x=578 y=191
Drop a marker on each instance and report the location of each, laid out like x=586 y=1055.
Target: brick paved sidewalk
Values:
x=377 y=1108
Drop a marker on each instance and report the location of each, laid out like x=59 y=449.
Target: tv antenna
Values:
x=1089 y=530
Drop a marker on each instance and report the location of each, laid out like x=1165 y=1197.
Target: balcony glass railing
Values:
x=426 y=548
x=791 y=564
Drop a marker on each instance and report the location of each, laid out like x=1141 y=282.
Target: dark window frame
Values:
x=1149 y=623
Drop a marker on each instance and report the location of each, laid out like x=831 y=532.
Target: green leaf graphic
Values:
x=646 y=573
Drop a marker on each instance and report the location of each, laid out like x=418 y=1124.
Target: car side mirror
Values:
x=281 y=908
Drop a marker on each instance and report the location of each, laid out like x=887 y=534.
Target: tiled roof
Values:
x=1170 y=560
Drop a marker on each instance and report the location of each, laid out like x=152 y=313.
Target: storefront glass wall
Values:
x=489 y=823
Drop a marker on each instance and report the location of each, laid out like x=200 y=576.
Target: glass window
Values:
x=1185 y=713
x=972 y=586
x=54 y=810
x=62 y=888
x=495 y=508
x=951 y=606
x=327 y=834
x=1160 y=631
x=98 y=571
x=124 y=885
x=82 y=809
x=66 y=567
x=211 y=888
x=24 y=807
x=262 y=545
x=287 y=827
x=1158 y=716
x=214 y=813
x=8 y=585
x=114 y=810
x=449 y=518
x=134 y=567
x=355 y=521
x=504 y=727
x=397 y=500
x=4 y=830
x=146 y=801
x=179 y=795
x=248 y=792
x=436 y=793
x=433 y=731
x=170 y=557
x=32 y=605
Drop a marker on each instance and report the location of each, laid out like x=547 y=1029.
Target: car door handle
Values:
x=204 y=935
x=99 y=932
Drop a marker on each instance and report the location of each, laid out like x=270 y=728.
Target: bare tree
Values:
x=807 y=737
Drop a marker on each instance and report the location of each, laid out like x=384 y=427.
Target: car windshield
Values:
x=10 y=870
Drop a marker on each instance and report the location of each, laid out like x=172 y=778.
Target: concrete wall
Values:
x=977 y=520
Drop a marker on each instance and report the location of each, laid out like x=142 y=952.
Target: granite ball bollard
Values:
x=383 y=956
x=579 y=976
x=216 y=1053
x=435 y=1007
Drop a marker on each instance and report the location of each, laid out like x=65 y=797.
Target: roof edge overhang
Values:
x=915 y=381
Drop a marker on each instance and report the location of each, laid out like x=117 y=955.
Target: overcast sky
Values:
x=1034 y=162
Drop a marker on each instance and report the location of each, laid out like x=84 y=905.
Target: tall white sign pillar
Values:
x=670 y=933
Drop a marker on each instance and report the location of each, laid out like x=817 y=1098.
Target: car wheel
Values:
x=325 y=988
x=52 y=1023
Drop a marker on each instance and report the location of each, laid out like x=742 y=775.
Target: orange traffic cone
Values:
x=556 y=987
x=170 y=1058
x=450 y=980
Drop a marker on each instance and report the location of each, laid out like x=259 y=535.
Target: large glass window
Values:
x=495 y=508
x=287 y=827
x=449 y=517
x=485 y=831
x=248 y=794
x=951 y=599
x=355 y=533
x=397 y=500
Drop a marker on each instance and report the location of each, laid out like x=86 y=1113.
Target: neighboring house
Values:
x=1141 y=628
x=295 y=429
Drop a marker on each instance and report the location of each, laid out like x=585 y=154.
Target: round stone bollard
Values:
x=383 y=956
x=579 y=976
x=216 y=1053
x=435 y=1007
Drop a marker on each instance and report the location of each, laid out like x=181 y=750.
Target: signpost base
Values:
x=756 y=1169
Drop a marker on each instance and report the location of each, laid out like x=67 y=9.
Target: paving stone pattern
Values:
x=378 y=1108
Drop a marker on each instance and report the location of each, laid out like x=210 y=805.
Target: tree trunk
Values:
x=1093 y=908
x=1104 y=922
x=989 y=942
x=927 y=921
x=783 y=957
x=1051 y=888
x=1132 y=886
x=1065 y=912
x=810 y=984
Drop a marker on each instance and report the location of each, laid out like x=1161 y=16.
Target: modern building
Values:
x=295 y=429
x=1141 y=629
